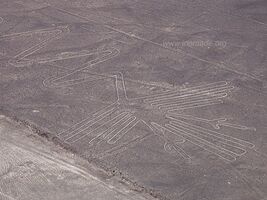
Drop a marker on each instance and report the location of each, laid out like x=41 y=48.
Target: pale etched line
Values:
x=111 y=124
x=31 y=50
x=204 y=104
x=195 y=89
x=123 y=42
x=189 y=99
x=206 y=86
x=211 y=133
x=69 y=55
x=179 y=104
x=55 y=81
x=110 y=54
x=120 y=119
x=216 y=64
x=228 y=145
x=64 y=56
x=236 y=126
x=153 y=28
x=186 y=98
x=212 y=122
x=96 y=114
x=103 y=109
x=123 y=131
x=113 y=52
x=213 y=63
x=120 y=85
x=191 y=93
x=20 y=61
x=191 y=105
x=115 y=18
x=162 y=130
x=170 y=145
x=148 y=125
x=123 y=83
x=81 y=125
x=87 y=125
x=31 y=106
x=192 y=18
x=215 y=123
x=102 y=134
x=1 y=21
x=25 y=33
x=227 y=155
x=113 y=128
x=185 y=95
x=177 y=50
x=35 y=48
x=118 y=128
x=122 y=147
x=72 y=82
x=79 y=81
x=110 y=37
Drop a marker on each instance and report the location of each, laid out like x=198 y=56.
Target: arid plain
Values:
x=168 y=96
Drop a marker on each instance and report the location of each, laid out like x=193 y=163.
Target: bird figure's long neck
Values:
x=120 y=88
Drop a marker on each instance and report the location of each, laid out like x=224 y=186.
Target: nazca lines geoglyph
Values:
x=20 y=60
x=66 y=80
x=116 y=120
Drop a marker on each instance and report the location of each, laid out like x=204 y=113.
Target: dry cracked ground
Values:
x=166 y=98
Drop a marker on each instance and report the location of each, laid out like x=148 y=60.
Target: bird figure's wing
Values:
x=200 y=96
x=225 y=146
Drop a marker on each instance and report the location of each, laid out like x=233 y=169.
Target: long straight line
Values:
x=214 y=133
x=195 y=139
x=190 y=98
x=121 y=119
x=189 y=93
x=235 y=147
x=160 y=45
x=88 y=124
x=182 y=104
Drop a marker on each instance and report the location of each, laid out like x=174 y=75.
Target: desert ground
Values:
x=164 y=99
